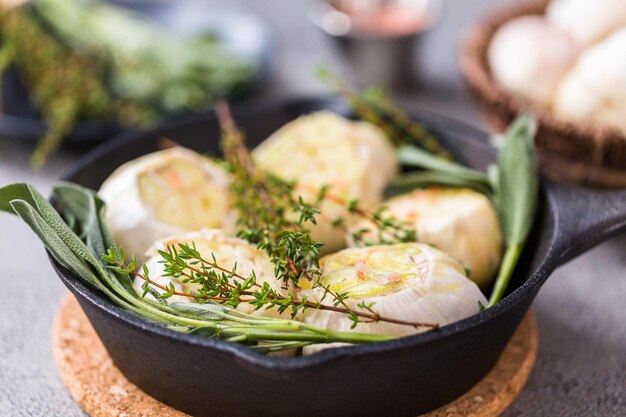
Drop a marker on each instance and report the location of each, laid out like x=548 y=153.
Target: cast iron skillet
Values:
x=408 y=376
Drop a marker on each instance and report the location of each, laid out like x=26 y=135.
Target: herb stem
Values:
x=509 y=261
x=374 y=317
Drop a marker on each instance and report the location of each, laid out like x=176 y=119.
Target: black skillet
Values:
x=408 y=376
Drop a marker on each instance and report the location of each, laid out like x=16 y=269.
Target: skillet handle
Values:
x=584 y=218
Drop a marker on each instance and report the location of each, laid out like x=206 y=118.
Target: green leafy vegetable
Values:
x=516 y=190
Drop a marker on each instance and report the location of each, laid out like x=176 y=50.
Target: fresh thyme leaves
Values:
x=389 y=229
x=375 y=107
x=266 y=205
x=226 y=286
x=516 y=187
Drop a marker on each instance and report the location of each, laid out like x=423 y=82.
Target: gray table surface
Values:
x=581 y=311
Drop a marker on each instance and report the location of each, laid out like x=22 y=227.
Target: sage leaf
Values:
x=59 y=250
x=208 y=332
x=89 y=210
x=415 y=157
x=516 y=184
x=210 y=311
x=424 y=179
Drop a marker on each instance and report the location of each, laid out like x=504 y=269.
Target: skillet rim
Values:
x=462 y=131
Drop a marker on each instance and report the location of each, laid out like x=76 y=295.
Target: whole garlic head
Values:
x=459 y=222
x=409 y=281
x=587 y=21
x=354 y=158
x=164 y=193
x=228 y=252
x=595 y=89
x=528 y=57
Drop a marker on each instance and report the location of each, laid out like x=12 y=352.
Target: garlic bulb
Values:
x=460 y=222
x=164 y=193
x=354 y=158
x=595 y=89
x=409 y=281
x=227 y=251
x=587 y=21
x=528 y=56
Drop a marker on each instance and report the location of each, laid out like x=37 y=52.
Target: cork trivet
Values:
x=103 y=391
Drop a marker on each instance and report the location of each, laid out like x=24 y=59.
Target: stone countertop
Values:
x=581 y=365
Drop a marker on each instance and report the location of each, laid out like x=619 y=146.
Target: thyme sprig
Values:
x=216 y=283
x=373 y=105
x=389 y=229
x=267 y=204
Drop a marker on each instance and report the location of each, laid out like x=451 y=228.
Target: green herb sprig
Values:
x=516 y=188
x=266 y=205
x=437 y=171
x=374 y=106
x=222 y=285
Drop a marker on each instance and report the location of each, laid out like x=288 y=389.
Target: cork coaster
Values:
x=102 y=390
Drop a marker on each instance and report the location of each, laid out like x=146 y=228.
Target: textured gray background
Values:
x=581 y=368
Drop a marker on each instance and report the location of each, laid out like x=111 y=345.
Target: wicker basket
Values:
x=583 y=154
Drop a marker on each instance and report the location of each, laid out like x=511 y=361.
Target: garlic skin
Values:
x=460 y=222
x=528 y=57
x=587 y=21
x=595 y=89
x=354 y=158
x=228 y=251
x=409 y=281
x=164 y=193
